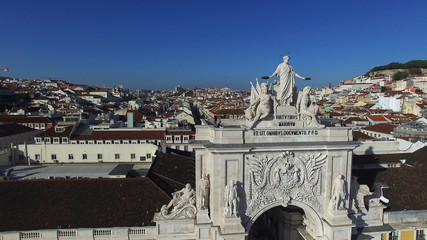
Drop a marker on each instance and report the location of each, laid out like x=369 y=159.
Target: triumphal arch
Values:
x=276 y=174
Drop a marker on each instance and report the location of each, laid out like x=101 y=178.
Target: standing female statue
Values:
x=285 y=87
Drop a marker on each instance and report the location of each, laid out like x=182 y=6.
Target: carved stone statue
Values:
x=307 y=110
x=339 y=194
x=354 y=193
x=260 y=105
x=204 y=188
x=231 y=199
x=285 y=87
x=182 y=203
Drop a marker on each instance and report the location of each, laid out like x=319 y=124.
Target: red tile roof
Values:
x=382 y=128
x=23 y=119
x=13 y=129
x=407 y=184
x=354 y=119
x=79 y=203
x=51 y=132
x=358 y=135
x=377 y=118
x=124 y=135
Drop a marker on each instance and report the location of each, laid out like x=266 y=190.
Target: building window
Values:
x=148 y=155
x=116 y=141
x=132 y=156
x=177 y=138
x=142 y=158
x=42 y=126
x=420 y=235
x=393 y=236
x=64 y=140
x=36 y=126
x=169 y=139
x=84 y=156
x=47 y=139
x=37 y=157
x=70 y=156
x=38 y=139
x=99 y=156
x=116 y=156
x=55 y=140
x=53 y=157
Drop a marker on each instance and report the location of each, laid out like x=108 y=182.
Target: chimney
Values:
x=130 y=120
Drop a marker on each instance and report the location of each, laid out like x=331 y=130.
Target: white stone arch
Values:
x=309 y=211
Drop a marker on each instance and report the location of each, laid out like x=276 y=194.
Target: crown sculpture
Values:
x=264 y=101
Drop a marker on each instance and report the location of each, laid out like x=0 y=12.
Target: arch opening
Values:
x=279 y=223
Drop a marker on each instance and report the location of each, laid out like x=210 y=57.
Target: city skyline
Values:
x=161 y=44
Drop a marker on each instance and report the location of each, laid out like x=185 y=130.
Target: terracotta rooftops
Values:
x=13 y=129
x=23 y=119
x=407 y=184
x=94 y=203
x=226 y=111
x=180 y=132
x=358 y=135
x=377 y=118
x=354 y=119
x=58 y=131
x=382 y=128
x=172 y=171
x=78 y=203
x=123 y=134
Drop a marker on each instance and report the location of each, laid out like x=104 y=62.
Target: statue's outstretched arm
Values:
x=276 y=73
x=297 y=75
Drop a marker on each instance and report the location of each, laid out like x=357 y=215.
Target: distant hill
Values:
x=411 y=67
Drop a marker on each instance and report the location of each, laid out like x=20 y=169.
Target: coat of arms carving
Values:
x=283 y=177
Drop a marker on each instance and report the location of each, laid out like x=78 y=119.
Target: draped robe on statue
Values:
x=285 y=88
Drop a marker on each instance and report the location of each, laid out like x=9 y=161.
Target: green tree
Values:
x=416 y=71
x=400 y=75
x=383 y=89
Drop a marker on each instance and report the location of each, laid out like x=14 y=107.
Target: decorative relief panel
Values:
x=281 y=178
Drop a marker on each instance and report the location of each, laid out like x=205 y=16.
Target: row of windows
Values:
x=177 y=138
x=65 y=140
x=99 y=156
x=373 y=134
x=35 y=125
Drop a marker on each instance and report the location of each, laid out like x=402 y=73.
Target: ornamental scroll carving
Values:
x=282 y=178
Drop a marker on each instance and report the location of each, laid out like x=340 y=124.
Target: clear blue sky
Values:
x=158 y=44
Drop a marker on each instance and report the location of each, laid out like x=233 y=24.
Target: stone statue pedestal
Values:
x=338 y=225
x=338 y=217
x=203 y=216
x=175 y=228
x=231 y=225
x=286 y=110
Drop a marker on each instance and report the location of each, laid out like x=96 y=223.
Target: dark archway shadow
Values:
x=278 y=223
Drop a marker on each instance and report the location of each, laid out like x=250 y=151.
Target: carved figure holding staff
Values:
x=285 y=87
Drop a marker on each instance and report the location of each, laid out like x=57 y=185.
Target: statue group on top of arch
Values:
x=264 y=101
